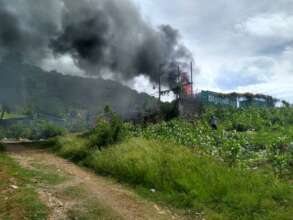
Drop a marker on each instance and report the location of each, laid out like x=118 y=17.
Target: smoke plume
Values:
x=102 y=36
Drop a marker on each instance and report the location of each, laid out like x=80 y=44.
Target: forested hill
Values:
x=24 y=87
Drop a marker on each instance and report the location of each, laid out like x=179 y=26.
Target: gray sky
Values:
x=243 y=45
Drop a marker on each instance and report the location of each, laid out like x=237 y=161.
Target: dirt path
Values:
x=80 y=188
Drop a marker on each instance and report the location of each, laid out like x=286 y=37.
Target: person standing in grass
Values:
x=214 y=122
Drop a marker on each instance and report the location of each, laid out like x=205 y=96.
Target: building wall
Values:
x=254 y=103
x=208 y=97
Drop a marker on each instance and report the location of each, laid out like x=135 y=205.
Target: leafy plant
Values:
x=109 y=130
x=247 y=137
x=224 y=174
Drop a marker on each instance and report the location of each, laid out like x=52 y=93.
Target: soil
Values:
x=119 y=199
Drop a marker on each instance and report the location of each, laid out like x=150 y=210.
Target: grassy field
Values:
x=185 y=179
x=241 y=171
x=18 y=198
x=253 y=138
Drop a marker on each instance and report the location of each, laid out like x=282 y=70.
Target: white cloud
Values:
x=245 y=72
x=281 y=80
x=271 y=26
x=242 y=45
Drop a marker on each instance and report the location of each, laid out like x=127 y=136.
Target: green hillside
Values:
x=28 y=88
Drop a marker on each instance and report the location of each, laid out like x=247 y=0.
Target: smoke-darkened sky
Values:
x=243 y=45
x=106 y=38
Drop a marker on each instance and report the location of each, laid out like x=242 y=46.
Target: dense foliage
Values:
x=246 y=137
x=181 y=177
x=243 y=170
x=109 y=130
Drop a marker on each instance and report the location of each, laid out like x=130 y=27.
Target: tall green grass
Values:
x=270 y=147
x=224 y=174
x=72 y=147
x=199 y=183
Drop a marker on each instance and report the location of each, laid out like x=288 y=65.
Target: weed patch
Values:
x=241 y=171
x=18 y=199
x=46 y=174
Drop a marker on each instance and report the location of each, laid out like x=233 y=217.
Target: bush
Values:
x=195 y=182
x=72 y=147
x=281 y=156
x=108 y=131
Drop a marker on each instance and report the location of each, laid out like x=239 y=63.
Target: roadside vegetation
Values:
x=18 y=198
x=250 y=138
x=241 y=171
x=187 y=180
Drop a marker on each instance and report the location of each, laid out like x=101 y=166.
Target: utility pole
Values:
x=179 y=90
x=160 y=82
x=179 y=86
x=160 y=89
x=191 y=72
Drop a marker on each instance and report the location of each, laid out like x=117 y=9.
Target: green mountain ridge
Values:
x=25 y=87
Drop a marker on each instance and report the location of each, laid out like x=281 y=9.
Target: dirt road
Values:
x=81 y=194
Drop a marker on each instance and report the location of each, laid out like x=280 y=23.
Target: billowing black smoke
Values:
x=27 y=26
x=102 y=36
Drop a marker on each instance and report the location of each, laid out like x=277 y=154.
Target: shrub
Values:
x=72 y=147
x=108 y=131
x=281 y=156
